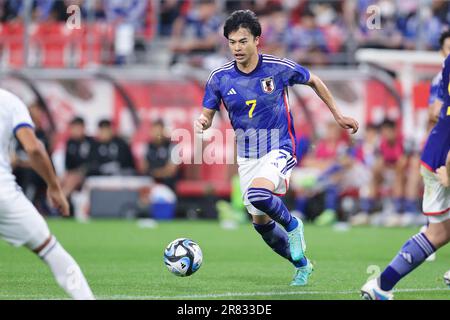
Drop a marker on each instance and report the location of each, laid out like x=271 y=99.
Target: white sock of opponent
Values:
x=66 y=271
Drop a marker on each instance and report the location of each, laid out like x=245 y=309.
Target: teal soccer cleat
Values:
x=297 y=244
x=302 y=274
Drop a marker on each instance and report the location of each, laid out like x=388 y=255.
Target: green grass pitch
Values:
x=123 y=261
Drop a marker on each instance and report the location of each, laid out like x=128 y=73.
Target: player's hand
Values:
x=202 y=123
x=348 y=123
x=58 y=200
x=442 y=176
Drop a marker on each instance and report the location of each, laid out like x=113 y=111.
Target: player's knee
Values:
x=261 y=219
x=260 y=198
x=263 y=228
x=42 y=247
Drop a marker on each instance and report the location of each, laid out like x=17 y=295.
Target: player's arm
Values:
x=322 y=91
x=205 y=120
x=40 y=162
x=434 y=110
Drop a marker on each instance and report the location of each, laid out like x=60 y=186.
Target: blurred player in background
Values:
x=253 y=89
x=112 y=155
x=157 y=162
x=20 y=223
x=436 y=97
x=79 y=149
x=435 y=171
x=436 y=90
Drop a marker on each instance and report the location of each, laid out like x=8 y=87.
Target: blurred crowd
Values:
x=105 y=154
x=110 y=11
x=310 y=32
x=374 y=180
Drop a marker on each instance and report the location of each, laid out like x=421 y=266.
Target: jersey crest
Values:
x=268 y=85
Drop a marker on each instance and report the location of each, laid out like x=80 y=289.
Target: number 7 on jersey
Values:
x=252 y=105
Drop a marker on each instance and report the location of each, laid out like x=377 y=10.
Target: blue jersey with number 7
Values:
x=257 y=103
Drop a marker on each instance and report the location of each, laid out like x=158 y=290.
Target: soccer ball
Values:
x=183 y=257
x=447 y=278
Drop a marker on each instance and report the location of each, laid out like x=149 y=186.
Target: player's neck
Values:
x=250 y=65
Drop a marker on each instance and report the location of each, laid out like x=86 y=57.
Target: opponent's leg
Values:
x=412 y=254
x=64 y=268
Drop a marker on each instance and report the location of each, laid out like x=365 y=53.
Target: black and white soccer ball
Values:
x=447 y=278
x=183 y=257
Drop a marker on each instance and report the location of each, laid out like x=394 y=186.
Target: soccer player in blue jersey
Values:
x=435 y=171
x=254 y=90
x=436 y=91
x=436 y=97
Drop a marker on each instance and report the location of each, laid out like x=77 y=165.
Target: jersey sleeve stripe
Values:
x=279 y=62
x=273 y=58
x=289 y=61
x=220 y=68
x=22 y=125
x=224 y=67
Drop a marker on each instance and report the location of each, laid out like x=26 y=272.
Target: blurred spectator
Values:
x=320 y=172
x=441 y=10
x=307 y=43
x=129 y=19
x=422 y=27
x=386 y=35
x=274 y=25
x=170 y=10
x=197 y=32
x=232 y=5
x=11 y=9
x=130 y=12
x=370 y=151
x=112 y=155
x=79 y=148
x=158 y=163
x=263 y=7
x=32 y=184
x=388 y=176
x=45 y=9
x=99 y=10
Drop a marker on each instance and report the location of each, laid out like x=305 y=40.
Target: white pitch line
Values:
x=261 y=294
x=224 y=295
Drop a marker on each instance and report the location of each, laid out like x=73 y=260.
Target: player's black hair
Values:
x=444 y=35
x=77 y=121
x=158 y=122
x=388 y=123
x=373 y=126
x=242 y=19
x=105 y=123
